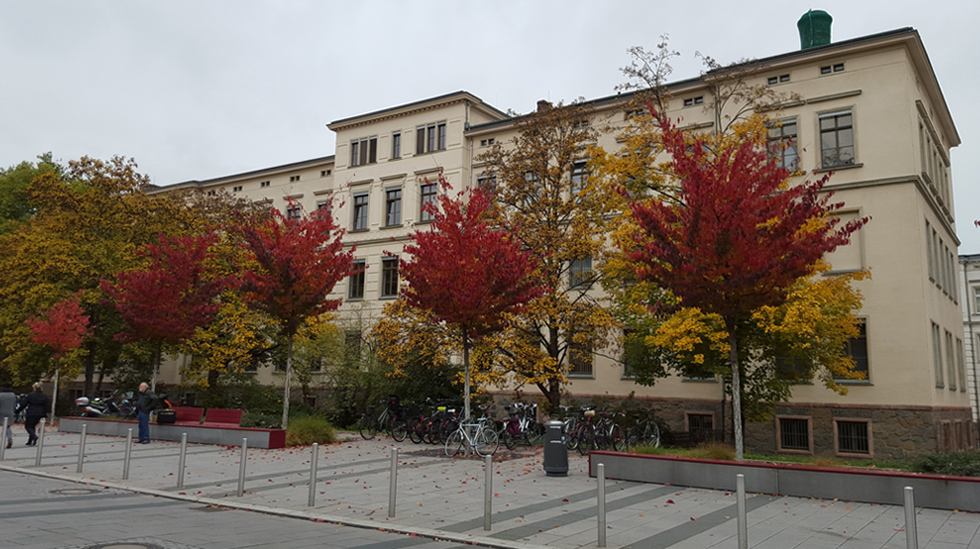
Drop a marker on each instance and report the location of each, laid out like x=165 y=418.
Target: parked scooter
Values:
x=84 y=407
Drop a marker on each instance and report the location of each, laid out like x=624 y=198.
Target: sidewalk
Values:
x=443 y=498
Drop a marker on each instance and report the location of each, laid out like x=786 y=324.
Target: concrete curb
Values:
x=437 y=535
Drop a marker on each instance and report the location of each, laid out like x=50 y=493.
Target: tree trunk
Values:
x=289 y=379
x=736 y=389
x=466 y=377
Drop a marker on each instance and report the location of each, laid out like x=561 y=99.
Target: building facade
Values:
x=969 y=266
x=868 y=109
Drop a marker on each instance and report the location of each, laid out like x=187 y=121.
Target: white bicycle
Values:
x=483 y=440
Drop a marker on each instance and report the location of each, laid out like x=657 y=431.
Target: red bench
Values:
x=188 y=415
x=223 y=417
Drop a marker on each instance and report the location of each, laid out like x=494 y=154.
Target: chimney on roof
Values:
x=814 y=29
x=543 y=105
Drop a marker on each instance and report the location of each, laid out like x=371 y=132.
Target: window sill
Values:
x=352 y=231
x=839 y=168
x=398 y=226
x=349 y=299
x=854 y=382
x=387 y=297
x=581 y=376
x=424 y=222
x=699 y=380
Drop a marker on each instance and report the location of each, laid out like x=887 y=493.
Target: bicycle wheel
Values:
x=398 y=429
x=454 y=444
x=367 y=427
x=415 y=431
x=653 y=434
x=510 y=441
x=587 y=440
x=486 y=442
x=617 y=439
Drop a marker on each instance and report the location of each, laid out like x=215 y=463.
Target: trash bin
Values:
x=555 y=451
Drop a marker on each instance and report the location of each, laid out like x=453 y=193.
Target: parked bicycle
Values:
x=601 y=434
x=646 y=431
x=391 y=420
x=478 y=436
x=522 y=427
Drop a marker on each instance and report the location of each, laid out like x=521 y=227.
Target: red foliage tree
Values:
x=737 y=237
x=63 y=328
x=165 y=302
x=296 y=264
x=466 y=272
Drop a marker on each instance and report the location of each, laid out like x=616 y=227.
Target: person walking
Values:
x=35 y=406
x=146 y=404
x=8 y=401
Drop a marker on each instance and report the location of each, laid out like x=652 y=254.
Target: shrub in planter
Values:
x=306 y=430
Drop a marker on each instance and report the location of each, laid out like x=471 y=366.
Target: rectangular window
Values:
x=352 y=348
x=293 y=211
x=321 y=204
x=794 y=434
x=580 y=274
x=961 y=364
x=929 y=259
x=579 y=175
x=937 y=355
x=853 y=437
x=264 y=184
x=393 y=207
x=427 y=195
x=396 y=145
x=293 y=178
x=237 y=189
x=441 y=128
x=355 y=282
x=364 y=151
x=324 y=173
x=487 y=183
x=782 y=144
x=976 y=299
x=579 y=360
x=700 y=423
x=360 y=212
x=420 y=140
x=389 y=277
x=837 y=139
x=857 y=348
x=691 y=101
x=431 y=135
x=950 y=362
x=430 y=138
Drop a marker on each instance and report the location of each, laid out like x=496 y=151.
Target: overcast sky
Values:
x=201 y=89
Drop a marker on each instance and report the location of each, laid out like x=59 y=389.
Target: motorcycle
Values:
x=84 y=407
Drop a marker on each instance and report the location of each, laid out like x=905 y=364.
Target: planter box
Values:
x=203 y=434
x=935 y=491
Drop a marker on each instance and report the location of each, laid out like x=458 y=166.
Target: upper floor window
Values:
x=293 y=178
x=360 y=222
x=321 y=204
x=393 y=207
x=430 y=138
x=580 y=360
x=486 y=183
x=782 y=144
x=396 y=145
x=828 y=69
x=264 y=184
x=427 y=195
x=937 y=356
x=324 y=173
x=364 y=151
x=777 y=79
x=579 y=176
x=293 y=211
x=976 y=300
x=355 y=282
x=580 y=274
x=857 y=348
x=691 y=101
x=486 y=142
x=836 y=139
x=237 y=189
x=389 y=277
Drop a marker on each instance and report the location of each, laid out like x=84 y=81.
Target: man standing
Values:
x=146 y=404
x=8 y=401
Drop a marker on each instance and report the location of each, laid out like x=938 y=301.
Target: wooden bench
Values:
x=188 y=415
x=222 y=417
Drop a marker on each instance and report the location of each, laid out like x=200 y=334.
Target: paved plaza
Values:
x=439 y=503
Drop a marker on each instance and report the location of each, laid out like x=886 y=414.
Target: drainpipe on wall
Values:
x=973 y=340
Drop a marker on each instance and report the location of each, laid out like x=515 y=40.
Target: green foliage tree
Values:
x=15 y=208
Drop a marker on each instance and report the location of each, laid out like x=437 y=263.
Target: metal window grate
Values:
x=699 y=422
x=852 y=437
x=794 y=434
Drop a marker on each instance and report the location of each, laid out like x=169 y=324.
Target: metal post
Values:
x=3 y=444
x=911 y=531
x=40 y=443
x=183 y=459
x=81 y=448
x=743 y=524
x=394 y=483
x=488 y=492
x=241 y=468
x=312 y=499
x=602 y=505
x=129 y=452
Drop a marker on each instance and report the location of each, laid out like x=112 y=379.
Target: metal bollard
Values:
x=40 y=443
x=911 y=530
x=241 y=468
x=488 y=492
x=743 y=525
x=183 y=459
x=312 y=499
x=394 y=483
x=3 y=446
x=602 y=505
x=129 y=452
x=81 y=448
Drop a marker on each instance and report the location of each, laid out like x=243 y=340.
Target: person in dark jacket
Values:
x=35 y=406
x=8 y=401
x=147 y=403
